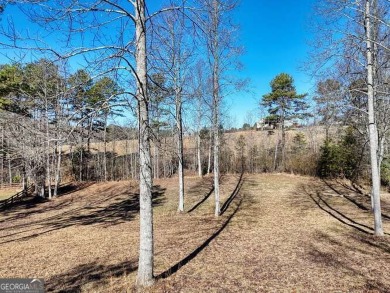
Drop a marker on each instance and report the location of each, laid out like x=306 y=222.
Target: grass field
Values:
x=8 y=192
x=278 y=233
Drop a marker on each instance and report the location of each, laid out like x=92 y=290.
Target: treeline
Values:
x=49 y=120
x=56 y=127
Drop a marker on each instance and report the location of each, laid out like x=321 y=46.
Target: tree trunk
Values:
x=215 y=24
x=105 y=148
x=156 y=152
x=57 y=178
x=283 y=144
x=276 y=153
x=199 y=156
x=81 y=160
x=113 y=159
x=2 y=157
x=179 y=126
x=145 y=263
x=372 y=127
x=9 y=170
x=210 y=148
x=48 y=175
x=48 y=169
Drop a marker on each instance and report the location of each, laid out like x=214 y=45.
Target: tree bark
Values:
x=179 y=126
x=2 y=157
x=372 y=126
x=216 y=98
x=58 y=170
x=48 y=169
x=199 y=155
x=9 y=170
x=105 y=148
x=283 y=144
x=145 y=263
x=210 y=148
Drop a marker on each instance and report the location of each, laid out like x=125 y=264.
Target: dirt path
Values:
x=278 y=233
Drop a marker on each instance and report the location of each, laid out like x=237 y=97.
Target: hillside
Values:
x=278 y=233
x=314 y=136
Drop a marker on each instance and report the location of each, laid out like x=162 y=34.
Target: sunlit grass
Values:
x=280 y=233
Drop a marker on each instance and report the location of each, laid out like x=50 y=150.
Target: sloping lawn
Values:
x=277 y=233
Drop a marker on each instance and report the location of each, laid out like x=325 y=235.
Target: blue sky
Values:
x=275 y=35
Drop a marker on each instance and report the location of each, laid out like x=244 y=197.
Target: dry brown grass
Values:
x=314 y=136
x=280 y=233
x=7 y=192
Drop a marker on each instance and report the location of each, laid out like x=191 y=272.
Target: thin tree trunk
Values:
x=42 y=192
x=132 y=166
x=372 y=127
x=216 y=105
x=48 y=175
x=199 y=156
x=81 y=159
x=113 y=160
x=145 y=263
x=9 y=170
x=48 y=169
x=156 y=153
x=283 y=144
x=276 y=153
x=58 y=170
x=210 y=148
x=179 y=126
x=105 y=148
x=2 y=157
x=127 y=153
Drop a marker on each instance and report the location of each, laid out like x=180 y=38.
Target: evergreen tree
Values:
x=284 y=102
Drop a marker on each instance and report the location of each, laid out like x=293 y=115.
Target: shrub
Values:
x=343 y=158
x=385 y=172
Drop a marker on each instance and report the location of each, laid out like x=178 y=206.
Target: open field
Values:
x=314 y=135
x=7 y=192
x=278 y=233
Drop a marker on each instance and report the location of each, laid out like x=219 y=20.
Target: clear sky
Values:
x=275 y=35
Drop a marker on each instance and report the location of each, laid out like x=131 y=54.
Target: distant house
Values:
x=270 y=124
x=265 y=124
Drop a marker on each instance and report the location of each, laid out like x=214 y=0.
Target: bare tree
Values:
x=359 y=55
x=372 y=126
x=123 y=53
x=216 y=24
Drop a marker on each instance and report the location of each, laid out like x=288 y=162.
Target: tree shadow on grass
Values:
x=323 y=205
x=31 y=204
x=69 y=188
x=74 y=280
x=317 y=193
x=125 y=208
x=358 y=198
x=236 y=190
x=117 y=212
x=207 y=195
x=352 y=187
x=347 y=254
x=172 y=270
x=54 y=205
x=206 y=183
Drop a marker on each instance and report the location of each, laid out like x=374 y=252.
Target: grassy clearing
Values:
x=8 y=192
x=279 y=233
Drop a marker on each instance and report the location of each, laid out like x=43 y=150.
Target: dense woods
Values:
x=128 y=93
